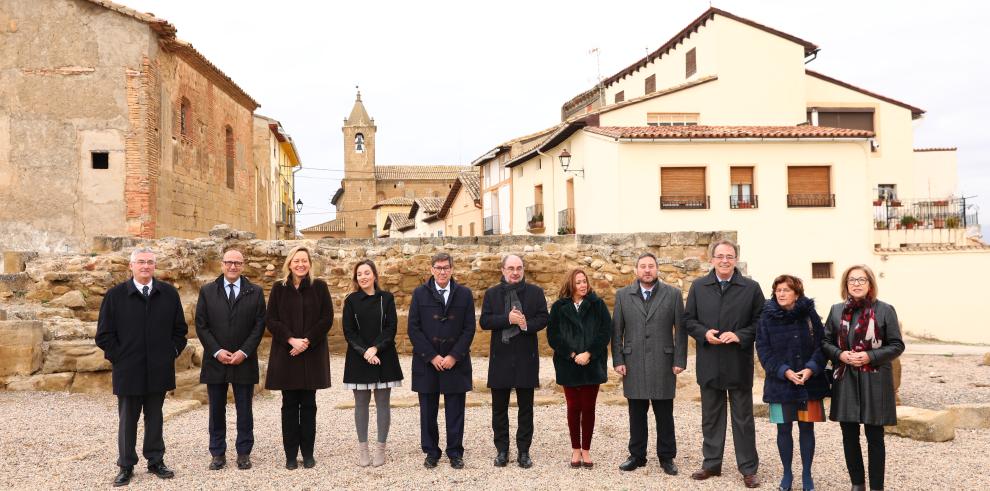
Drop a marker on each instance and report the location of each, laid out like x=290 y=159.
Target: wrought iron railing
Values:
x=565 y=221
x=736 y=201
x=928 y=213
x=810 y=200
x=534 y=217
x=668 y=202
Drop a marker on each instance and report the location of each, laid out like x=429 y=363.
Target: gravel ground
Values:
x=63 y=441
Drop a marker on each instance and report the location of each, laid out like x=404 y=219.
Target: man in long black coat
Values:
x=723 y=309
x=514 y=311
x=441 y=327
x=141 y=330
x=230 y=320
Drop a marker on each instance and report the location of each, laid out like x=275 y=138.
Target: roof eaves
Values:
x=337 y=195
x=916 y=112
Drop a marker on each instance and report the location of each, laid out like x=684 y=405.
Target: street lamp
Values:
x=299 y=205
x=565 y=163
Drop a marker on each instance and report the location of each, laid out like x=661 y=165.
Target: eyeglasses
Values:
x=857 y=281
x=233 y=264
x=442 y=269
x=145 y=262
x=723 y=257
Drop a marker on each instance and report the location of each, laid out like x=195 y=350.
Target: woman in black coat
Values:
x=299 y=317
x=579 y=333
x=788 y=342
x=862 y=338
x=371 y=362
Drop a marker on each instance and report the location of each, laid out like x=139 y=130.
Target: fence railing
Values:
x=565 y=221
x=927 y=213
x=668 y=202
x=751 y=201
x=810 y=200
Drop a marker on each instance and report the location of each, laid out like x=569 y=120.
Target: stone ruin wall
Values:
x=48 y=312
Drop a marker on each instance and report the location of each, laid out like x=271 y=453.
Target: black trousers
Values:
x=129 y=409
x=500 y=418
x=875 y=448
x=713 y=409
x=243 y=394
x=663 y=412
x=429 y=431
x=298 y=422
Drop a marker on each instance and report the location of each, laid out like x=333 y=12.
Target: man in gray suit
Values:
x=649 y=349
x=722 y=312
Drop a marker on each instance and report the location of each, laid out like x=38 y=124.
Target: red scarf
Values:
x=866 y=337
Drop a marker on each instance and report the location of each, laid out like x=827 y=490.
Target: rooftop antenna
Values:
x=598 y=67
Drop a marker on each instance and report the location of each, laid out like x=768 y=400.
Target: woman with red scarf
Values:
x=862 y=338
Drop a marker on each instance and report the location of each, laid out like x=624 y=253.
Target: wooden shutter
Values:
x=690 y=63
x=853 y=120
x=808 y=180
x=620 y=96
x=651 y=84
x=682 y=181
x=741 y=175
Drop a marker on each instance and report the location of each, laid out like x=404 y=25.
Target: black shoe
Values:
x=123 y=478
x=244 y=461
x=669 y=467
x=457 y=462
x=430 y=462
x=291 y=464
x=501 y=459
x=631 y=464
x=218 y=462
x=524 y=461
x=161 y=470
x=309 y=462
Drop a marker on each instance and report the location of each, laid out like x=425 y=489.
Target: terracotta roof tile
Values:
x=472 y=184
x=726 y=132
x=429 y=205
x=397 y=221
x=418 y=172
x=396 y=201
x=335 y=225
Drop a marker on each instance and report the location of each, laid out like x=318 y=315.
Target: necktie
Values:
x=724 y=284
x=647 y=294
x=231 y=297
x=443 y=295
x=145 y=290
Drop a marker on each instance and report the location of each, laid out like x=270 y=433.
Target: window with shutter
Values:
x=690 y=63
x=620 y=96
x=741 y=181
x=683 y=187
x=809 y=186
x=848 y=118
x=821 y=270
x=651 y=84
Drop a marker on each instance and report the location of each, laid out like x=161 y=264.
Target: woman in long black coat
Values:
x=789 y=344
x=371 y=362
x=862 y=338
x=299 y=317
x=579 y=333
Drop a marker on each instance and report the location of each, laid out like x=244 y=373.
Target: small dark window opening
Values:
x=821 y=270
x=620 y=96
x=101 y=160
x=650 y=84
x=229 y=149
x=690 y=63
x=184 y=117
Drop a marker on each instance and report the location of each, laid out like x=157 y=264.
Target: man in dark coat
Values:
x=441 y=327
x=722 y=314
x=515 y=311
x=141 y=330
x=649 y=349
x=230 y=320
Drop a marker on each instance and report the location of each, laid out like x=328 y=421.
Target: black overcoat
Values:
x=306 y=312
x=237 y=327
x=571 y=330
x=724 y=366
x=370 y=320
x=142 y=337
x=515 y=364
x=438 y=329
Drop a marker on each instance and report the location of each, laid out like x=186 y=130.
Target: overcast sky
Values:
x=448 y=80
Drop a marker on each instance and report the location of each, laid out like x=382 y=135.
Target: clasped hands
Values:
x=724 y=338
x=516 y=317
x=228 y=358
x=798 y=378
x=371 y=356
x=298 y=345
x=854 y=358
x=441 y=363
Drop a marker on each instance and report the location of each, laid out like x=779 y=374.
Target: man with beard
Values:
x=514 y=311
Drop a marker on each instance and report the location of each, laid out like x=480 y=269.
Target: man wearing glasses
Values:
x=441 y=327
x=141 y=330
x=230 y=320
x=722 y=312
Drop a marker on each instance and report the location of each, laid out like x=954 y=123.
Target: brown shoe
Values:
x=705 y=474
x=751 y=481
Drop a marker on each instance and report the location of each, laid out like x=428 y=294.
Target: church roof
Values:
x=418 y=172
x=359 y=116
x=335 y=225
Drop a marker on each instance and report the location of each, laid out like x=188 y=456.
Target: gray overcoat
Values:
x=649 y=339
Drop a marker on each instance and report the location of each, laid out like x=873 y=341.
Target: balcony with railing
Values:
x=565 y=221
x=737 y=202
x=900 y=222
x=490 y=225
x=678 y=202
x=534 y=219
x=810 y=200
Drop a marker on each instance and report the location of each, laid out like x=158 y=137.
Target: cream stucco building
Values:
x=276 y=150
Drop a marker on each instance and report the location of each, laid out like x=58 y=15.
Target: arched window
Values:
x=184 y=115
x=359 y=143
x=229 y=149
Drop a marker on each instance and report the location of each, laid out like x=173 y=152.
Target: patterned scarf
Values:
x=865 y=336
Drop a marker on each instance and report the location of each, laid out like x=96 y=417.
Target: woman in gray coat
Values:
x=862 y=338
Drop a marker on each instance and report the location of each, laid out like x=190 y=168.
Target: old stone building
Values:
x=367 y=184
x=111 y=125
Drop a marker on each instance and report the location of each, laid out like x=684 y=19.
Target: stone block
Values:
x=92 y=383
x=986 y=359
x=62 y=328
x=16 y=261
x=185 y=359
x=970 y=416
x=49 y=382
x=20 y=347
x=74 y=356
x=923 y=424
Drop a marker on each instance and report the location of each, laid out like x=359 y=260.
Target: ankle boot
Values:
x=379 y=458
x=364 y=460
